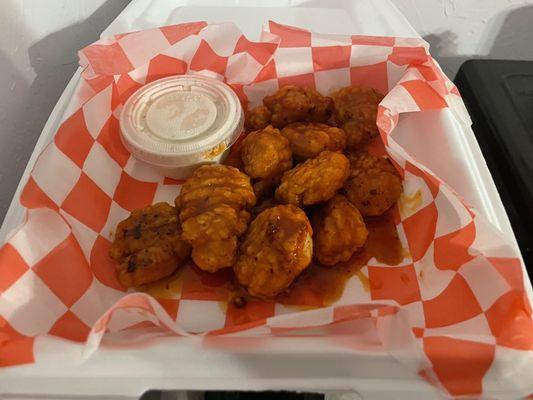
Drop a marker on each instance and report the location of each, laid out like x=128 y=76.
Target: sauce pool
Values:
x=320 y=286
x=317 y=286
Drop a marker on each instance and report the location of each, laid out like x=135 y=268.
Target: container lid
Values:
x=181 y=120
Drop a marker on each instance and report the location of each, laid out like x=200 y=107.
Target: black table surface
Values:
x=499 y=97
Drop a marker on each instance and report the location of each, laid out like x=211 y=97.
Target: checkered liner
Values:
x=455 y=309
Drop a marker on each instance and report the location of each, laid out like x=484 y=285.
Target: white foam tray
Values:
x=311 y=364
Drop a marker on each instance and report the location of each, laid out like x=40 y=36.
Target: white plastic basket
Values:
x=309 y=364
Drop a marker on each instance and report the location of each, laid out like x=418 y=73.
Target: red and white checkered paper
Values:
x=455 y=309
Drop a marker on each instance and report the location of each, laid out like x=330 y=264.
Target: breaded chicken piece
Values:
x=355 y=111
x=309 y=139
x=374 y=184
x=148 y=245
x=314 y=181
x=257 y=118
x=214 y=236
x=214 y=206
x=266 y=153
x=276 y=249
x=339 y=231
x=292 y=104
x=212 y=185
x=355 y=137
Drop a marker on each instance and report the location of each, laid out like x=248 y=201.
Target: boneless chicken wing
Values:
x=212 y=185
x=339 y=231
x=214 y=206
x=355 y=136
x=266 y=153
x=374 y=184
x=292 y=104
x=214 y=235
x=309 y=139
x=276 y=249
x=355 y=111
x=257 y=118
x=148 y=245
x=314 y=181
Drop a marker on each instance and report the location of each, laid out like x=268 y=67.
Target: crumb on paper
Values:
x=422 y=273
x=215 y=151
x=239 y=302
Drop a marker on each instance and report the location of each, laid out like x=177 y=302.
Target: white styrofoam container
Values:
x=311 y=364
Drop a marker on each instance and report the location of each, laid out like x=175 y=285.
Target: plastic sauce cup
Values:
x=177 y=123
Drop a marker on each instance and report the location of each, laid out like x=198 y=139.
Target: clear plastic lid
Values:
x=181 y=120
